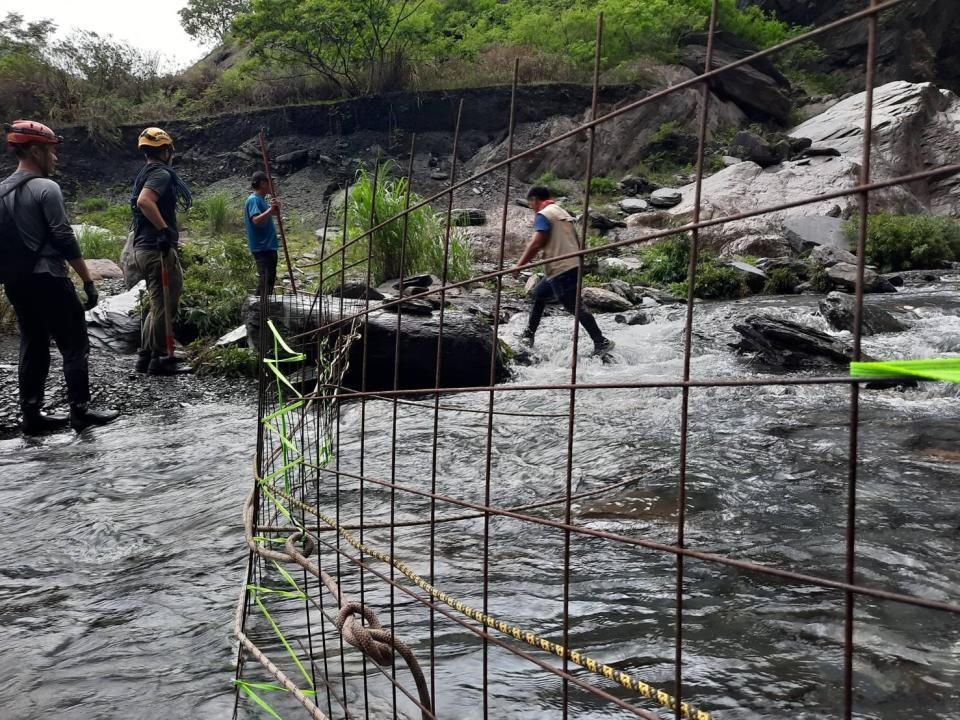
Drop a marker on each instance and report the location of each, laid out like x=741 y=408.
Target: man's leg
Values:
x=542 y=293
x=148 y=261
x=260 y=261
x=28 y=300
x=566 y=289
x=69 y=330
x=271 y=270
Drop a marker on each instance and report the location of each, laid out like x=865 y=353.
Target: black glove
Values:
x=92 y=295
x=167 y=240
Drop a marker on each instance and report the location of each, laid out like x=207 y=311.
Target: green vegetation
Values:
x=115 y=218
x=230 y=362
x=218 y=275
x=908 y=242
x=218 y=211
x=713 y=282
x=424 y=251
x=603 y=186
x=291 y=51
x=819 y=280
x=781 y=281
x=95 y=243
x=93 y=204
x=548 y=179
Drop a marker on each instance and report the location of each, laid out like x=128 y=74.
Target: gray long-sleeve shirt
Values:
x=41 y=220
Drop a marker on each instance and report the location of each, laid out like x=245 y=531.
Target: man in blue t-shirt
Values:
x=261 y=233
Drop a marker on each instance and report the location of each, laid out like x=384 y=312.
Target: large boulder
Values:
x=747 y=187
x=844 y=275
x=784 y=343
x=828 y=256
x=807 y=232
x=838 y=309
x=466 y=349
x=600 y=300
x=916 y=126
x=750 y=146
x=758 y=88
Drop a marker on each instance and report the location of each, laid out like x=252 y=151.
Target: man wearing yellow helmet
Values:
x=158 y=192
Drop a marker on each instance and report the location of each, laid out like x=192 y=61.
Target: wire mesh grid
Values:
x=372 y=585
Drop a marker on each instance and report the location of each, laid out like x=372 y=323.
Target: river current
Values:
x=123 y=550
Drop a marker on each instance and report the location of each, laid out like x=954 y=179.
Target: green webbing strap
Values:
x=940 y=369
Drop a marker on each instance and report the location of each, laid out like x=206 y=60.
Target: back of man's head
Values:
x=258 y=179
x=539 y=192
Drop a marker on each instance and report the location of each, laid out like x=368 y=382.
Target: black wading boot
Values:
x=35 y=422
x=143 y=361
x=82 y=417
x=166 y=365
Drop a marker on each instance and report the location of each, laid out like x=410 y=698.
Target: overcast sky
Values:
x=153 y=25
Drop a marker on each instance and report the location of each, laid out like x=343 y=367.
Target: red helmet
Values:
x=21 y=132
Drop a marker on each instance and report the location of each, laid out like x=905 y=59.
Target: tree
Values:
x=209 y=20
x=351 y=43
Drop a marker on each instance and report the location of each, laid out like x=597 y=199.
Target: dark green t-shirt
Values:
x=158 y=179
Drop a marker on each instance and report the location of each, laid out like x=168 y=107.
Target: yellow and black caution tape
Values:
x=662 y=697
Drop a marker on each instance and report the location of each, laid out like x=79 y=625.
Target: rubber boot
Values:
x=604 y=346
x=526 y=338
x=165 y=365
x=35 y=422
x=82 y=417
x=143 y=361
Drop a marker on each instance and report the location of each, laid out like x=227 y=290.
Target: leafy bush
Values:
x=95 y=243
x=714 y=282
x=229 y=362
x=603 y=186
x=424 y=251
x=819 y=280
x=548 y=179
x=218 y=276
x=667 y=261
x=780 y=281
x=908 y=242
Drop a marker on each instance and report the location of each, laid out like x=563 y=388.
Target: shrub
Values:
x=217 y=279
x=217 y=209
x=603 y=186
x=667 y=261
x=714 y=282
x=548 y=179
x=230 y=362
x=819 y=280
x=780 y=281
x=426 y=236
x=908 y=242
x=95 y=243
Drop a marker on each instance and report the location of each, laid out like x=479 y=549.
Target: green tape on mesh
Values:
x=940 y=369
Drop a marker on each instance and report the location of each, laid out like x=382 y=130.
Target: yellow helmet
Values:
x=154 y=137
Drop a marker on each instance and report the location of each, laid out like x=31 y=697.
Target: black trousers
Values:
x=48 y=307
x=266 y=271
x=563 y=288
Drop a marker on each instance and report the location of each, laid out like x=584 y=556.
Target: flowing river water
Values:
x=124 y=552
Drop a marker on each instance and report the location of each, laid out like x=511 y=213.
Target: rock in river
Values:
x=837 y=308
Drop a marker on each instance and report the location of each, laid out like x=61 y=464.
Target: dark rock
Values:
x=624 y=290
x=783 y=343
x=807 y=231
x=412 y=306
x=838 y=309
x=635 y=318
x=797 y=267
x=469 y=217
x=357 y=291
x=835 y=211
x=466 y=350
x=438 y=174
x=603 y=223
x=635 y=185
x=798 y=144
x=522 y=202
x=755 y=277
x=417 y=281
x=757 y=88
x=829 y=256
x=294 y=160
x=750 y=146
x=819 y=152
x=844 y=275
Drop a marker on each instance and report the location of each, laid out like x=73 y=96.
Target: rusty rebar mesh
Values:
x=365 y=511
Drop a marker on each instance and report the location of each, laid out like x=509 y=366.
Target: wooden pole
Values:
x=273 y=194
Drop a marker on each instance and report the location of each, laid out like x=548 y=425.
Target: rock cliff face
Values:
x=919 y=40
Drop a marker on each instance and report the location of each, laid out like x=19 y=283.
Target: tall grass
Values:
x=219 y=212
x=95 y=243
x=424 y=251
x=218 y=276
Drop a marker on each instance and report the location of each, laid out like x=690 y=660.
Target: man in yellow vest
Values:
x=555 y=234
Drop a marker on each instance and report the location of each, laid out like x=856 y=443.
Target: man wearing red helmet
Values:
x=37 y=243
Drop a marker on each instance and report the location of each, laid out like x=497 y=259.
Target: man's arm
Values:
x=147 y=202
x=535 y=245
x=267 y=214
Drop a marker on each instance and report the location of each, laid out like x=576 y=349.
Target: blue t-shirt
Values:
x=541 y=224
x=259 y=237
